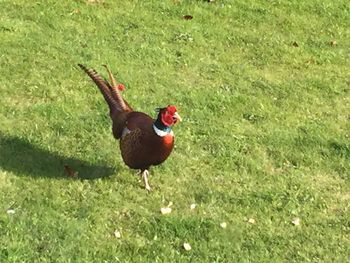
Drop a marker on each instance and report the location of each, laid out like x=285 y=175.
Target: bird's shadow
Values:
x=19 y=156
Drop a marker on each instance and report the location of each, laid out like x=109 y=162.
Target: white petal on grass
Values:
x=165 y=210
x=193 y=206
x=10 y=211
x=187 y=246
x=117 y=233
x=223 y=225
x=251 y=221
x=296 y=221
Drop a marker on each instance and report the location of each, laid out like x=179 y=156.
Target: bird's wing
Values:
x=130 y=146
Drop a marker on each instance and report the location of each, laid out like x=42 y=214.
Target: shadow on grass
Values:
x=340 y=149
x=19 y=156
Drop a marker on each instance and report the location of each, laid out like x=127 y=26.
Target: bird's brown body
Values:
x=140 y=144
x=141 y=147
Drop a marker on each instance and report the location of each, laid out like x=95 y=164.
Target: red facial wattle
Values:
x=169 y=116
x=167 y=119
x=171 y=110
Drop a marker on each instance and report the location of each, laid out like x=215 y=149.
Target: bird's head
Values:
x=168 y=116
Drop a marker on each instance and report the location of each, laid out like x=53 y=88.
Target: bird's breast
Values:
x=168 y=139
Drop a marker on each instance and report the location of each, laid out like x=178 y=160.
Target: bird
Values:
x=143 y=141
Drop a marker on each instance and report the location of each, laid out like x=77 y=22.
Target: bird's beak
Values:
x=177 y=117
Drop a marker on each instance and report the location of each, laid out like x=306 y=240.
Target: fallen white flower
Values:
x=193 y=206
x=223 y=225
x=117 y=234
x=296 y=221
x=187 y=246
x=251 y=221
x=165 y=210
x=10 y=211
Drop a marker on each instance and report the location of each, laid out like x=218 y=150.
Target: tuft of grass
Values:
x=264 y=89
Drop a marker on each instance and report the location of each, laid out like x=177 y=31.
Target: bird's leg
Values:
x=113 y=82
x=144 y=175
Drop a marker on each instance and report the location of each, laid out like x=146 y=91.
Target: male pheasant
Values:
x=143 y=141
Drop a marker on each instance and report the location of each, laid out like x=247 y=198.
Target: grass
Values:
x=265 y=136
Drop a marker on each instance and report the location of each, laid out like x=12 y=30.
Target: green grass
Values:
x=265 y=132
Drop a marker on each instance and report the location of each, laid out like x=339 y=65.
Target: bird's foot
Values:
x=148 y=188
x=144 y=176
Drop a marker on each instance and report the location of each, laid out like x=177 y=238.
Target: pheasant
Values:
x=143 y=141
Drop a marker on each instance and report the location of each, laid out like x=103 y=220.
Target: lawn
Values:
x=264 y=91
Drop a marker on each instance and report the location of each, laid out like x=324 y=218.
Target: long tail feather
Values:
x=115 y=91
x=105 y=90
